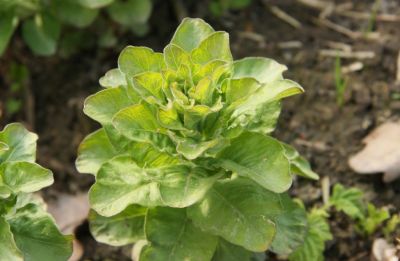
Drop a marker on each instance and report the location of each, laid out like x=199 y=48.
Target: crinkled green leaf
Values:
x=270 y=92
x=175 y=56
x=190 y=33
x=314 y=243
x=135 y=60
x=41 y=34
x=146 y=155
x=173 y=236
x=103 y=105
x=203 y=92
x=240 y=211
x=264 y=70
x=94 y=150
x=212 y=70
x=149 y=84
x=348 y=200
x=21 y=143
x=240 y=88
x=264 y=118
x=8 y=23
x=26 y=177
x=192 y=149
x=8 y=249
x=95 y=3
x=260 y=158
x=130 y=12
x=298 y=164
x=121 y=182
x=214 y=47
x=168 y=118
x=139 y=123
x=113 y=78
x=37 y=236
x=291 y=227
x=124 y=228
x=229 y=252
x=74 y=13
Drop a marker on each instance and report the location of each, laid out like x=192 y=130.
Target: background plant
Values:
x=184 y=159
x=350 y=201
x=42 y=20
x=27 y=231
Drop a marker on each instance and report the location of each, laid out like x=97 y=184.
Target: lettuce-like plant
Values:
x=184 y=159
x=27 y=231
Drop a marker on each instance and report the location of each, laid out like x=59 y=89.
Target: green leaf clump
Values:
x=184 y=158
x=42 y=20
x=27 y=231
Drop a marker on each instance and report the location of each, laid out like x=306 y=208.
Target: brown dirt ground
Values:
x=326 y=134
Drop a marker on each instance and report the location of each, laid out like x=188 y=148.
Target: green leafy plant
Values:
x=27 y=231
x=18 y=76
x=318 y=233
x=349 y=201
x=42 y=20
x=184 y=159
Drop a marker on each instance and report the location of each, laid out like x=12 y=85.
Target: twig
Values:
x=398 y=68
x=338 y=45
x=353 y=67
x=338 y=28
x=290 y=45
x=342 y=10
x=367 y=16
x=361 y=55
x=285 y=17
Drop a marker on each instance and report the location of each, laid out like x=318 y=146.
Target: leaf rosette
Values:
x=189 y=128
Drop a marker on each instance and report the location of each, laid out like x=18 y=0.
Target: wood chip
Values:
x=353 y=67
x=383 y=251
x=381 y=153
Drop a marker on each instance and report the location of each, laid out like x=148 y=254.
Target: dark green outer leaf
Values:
x=8 y=249
x=291 y=227
x=173 y=237
x=121 y=182
x=124 y=228
x=260 y=158
x=8 y=24
x=230 y=252
x=41 y=34
x=73 y=13
x=240 y=211
x=37 y=236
